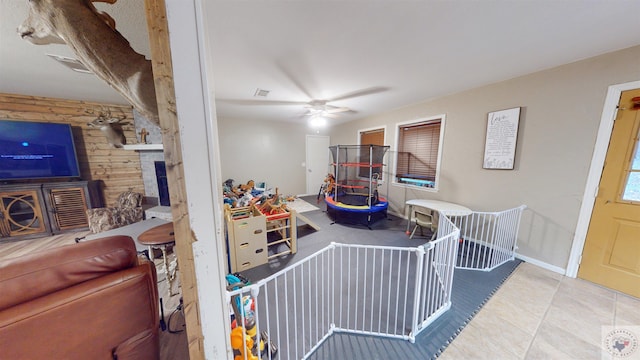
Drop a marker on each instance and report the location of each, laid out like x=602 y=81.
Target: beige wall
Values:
x=561 y=110
x=264 y=151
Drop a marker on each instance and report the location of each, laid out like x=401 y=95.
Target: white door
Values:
x=317 y=162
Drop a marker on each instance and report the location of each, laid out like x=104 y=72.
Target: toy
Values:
x=273 y=205
x=227 y=189
x=244 y=312
x=327 y=186
x=244 y=350
x=331 y=183
x=244 y=200
x=248 y=187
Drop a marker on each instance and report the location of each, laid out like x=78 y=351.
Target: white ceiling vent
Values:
x=71 y=63
x=261 y=93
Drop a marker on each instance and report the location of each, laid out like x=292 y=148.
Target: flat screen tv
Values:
x=36 y=150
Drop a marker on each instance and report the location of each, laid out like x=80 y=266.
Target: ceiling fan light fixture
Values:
x=317 y=121
x=317 y=112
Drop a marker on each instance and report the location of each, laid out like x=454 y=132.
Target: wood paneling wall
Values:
x=119 y=169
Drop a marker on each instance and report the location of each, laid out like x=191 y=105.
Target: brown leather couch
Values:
x=93 y=300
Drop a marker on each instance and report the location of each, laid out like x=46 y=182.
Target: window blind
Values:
x=372 y=137
x=418 y=145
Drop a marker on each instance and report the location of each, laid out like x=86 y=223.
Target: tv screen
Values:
x=34 y=150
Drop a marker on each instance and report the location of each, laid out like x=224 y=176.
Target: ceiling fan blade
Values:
x=324 y=114
x=293 y=79
x=335 y=109
x=259 y=102
x=358 y=93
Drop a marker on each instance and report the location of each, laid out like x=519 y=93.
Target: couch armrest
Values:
x=44 y=272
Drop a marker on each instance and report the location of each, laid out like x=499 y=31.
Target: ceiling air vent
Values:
x=71 y=63
x=261 y=93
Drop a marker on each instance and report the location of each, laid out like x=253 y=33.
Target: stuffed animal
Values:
x=245 y=199
x=330 y=181
x=327 y=186
x=248 y=187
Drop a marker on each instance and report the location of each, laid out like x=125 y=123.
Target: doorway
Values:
x=317 y=161
x=611 y=253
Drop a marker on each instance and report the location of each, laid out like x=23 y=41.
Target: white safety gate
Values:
x=487 y=239
x=373 y=290
x=392 y=292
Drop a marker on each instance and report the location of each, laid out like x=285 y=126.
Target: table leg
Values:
x=410 y=219
x=171 y=275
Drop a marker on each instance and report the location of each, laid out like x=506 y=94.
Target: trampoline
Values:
x=358 y=170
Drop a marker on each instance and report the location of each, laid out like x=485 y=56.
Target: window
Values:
x=631 y=190
x=418 y=156
x=370 y=137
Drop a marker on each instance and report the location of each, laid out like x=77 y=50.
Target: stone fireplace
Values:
x=148 y=160
x=153 y=169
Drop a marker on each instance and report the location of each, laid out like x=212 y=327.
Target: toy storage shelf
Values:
x=253 y=238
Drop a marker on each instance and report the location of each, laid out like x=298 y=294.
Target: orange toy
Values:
x=330 y=180
x=327 y=186
x=237 y=344
x=249 y=186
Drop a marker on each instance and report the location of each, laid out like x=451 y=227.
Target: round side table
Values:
x=161 y=237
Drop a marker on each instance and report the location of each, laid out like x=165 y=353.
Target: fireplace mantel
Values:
x=143 y=147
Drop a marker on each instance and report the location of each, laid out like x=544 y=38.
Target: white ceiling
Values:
x=395 y=52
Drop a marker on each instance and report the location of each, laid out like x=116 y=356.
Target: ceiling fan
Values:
x=321 y=108
x=315 y=107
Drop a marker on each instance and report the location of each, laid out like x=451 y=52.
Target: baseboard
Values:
x=530 y=260
x=542 y=264
x=533 y=261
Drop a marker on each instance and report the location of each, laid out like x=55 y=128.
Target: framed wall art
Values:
x=501 y=139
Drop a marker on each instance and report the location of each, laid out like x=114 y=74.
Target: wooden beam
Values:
x=163 y=77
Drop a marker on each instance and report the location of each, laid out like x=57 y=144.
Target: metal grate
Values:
x=70 y=209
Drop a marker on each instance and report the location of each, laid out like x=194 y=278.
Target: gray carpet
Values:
x=471 y=289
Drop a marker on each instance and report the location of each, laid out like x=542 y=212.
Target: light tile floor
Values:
x=539 y=314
